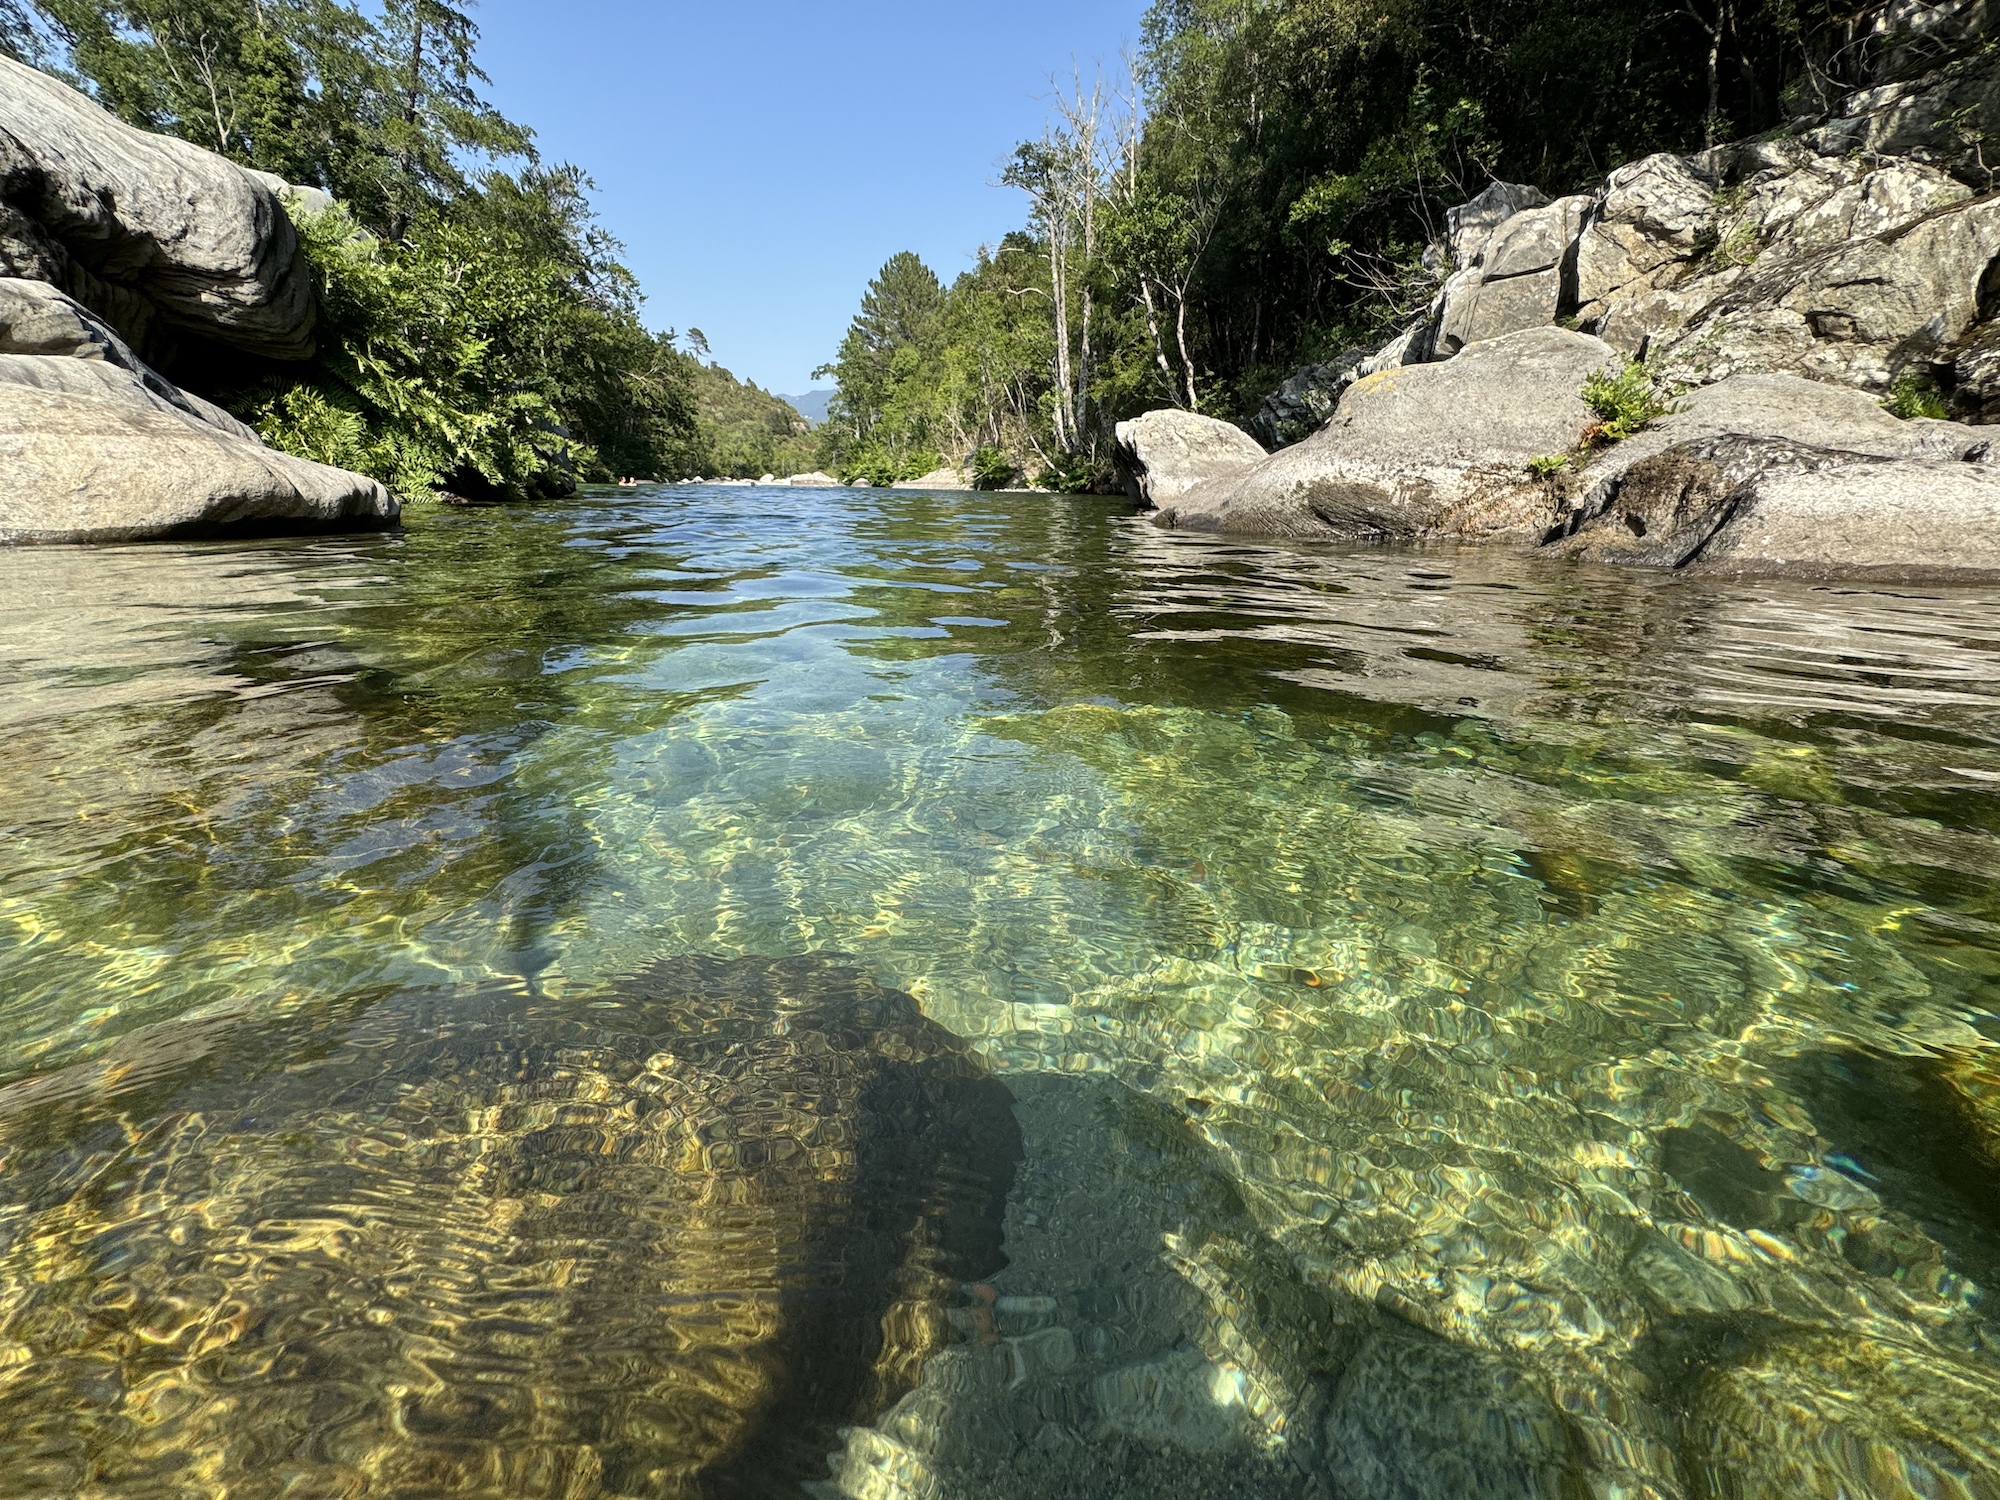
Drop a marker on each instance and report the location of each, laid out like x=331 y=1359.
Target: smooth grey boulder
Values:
x=81 y=466
x=1422 y=450
x=1166 y=453
x=53 y=342
x=1778 y=409
x=1903 y=519
x=1410 y=347
x=144 y=228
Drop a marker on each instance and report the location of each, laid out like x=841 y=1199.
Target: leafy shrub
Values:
x=1068 y=474
x=1913 y=396
x=1625 y=403
x=992 y=469
x=1548 y=465
x=880 y=465
x=478 y=356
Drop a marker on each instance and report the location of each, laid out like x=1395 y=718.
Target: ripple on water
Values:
x=1476 y=1028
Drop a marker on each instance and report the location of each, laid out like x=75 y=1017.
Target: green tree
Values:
x=479 y=335
x=438 y=114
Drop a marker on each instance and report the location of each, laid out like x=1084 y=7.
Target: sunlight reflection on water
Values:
x=1474 y=1027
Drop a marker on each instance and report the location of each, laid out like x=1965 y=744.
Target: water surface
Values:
x=514 y=1007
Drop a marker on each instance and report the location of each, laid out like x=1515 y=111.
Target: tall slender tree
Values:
x=440 y=114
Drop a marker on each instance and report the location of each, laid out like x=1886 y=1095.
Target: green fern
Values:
x=1913 y=396
x=1625 y=403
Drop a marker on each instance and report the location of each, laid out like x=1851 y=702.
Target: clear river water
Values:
x=910 y=996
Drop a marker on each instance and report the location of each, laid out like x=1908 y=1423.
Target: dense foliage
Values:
x=1263 y=192
x=478 y=334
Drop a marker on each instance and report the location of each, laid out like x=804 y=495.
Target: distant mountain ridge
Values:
x=812 y=405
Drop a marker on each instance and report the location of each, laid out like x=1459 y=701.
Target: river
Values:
x=1462 y=1025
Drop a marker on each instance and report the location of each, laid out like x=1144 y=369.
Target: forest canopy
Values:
x=478 y=335
x=1259 y=189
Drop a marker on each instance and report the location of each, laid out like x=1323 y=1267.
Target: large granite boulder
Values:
x=53 y=342
x=112 y=242
x=1470 y=225
x=78 y=465
x=97 y=446
x=1773 y=474
x=946 y=478
x=1420 y=451
x=1904 y=519
x=1166 y=453
x=1646 y=224
x=155 y=234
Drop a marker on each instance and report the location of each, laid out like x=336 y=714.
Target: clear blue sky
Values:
x=762 y=158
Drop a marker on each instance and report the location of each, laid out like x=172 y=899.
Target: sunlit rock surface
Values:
x=659 y=1243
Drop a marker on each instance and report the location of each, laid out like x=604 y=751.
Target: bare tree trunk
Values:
x=1713 y=121
x=1187 y=363
x=1159 y=343
x=399 y=224
x=1061 y=297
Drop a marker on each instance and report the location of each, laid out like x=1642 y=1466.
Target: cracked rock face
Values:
x=1518 y=280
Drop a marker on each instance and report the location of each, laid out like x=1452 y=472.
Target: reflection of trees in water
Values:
x=375 y=774
x=664 y=1242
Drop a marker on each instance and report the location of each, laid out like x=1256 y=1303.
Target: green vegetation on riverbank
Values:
x=478 y=334
x=1261 y=193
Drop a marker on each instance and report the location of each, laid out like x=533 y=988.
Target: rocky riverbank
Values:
x=1781 y=293
x=121 y=251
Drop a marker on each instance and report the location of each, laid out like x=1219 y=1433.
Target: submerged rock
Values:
x=1828 y=1417
x=659 y=1241
x=1166 y=453
x=1420 y=1417
x=1422 y=450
